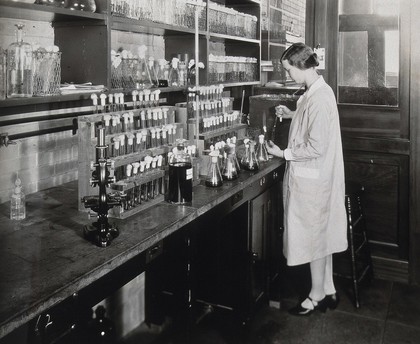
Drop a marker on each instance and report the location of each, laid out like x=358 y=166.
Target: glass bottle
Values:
x=163 y=73
x=180 y=175
x=17 y=202
x=262 y=154
x=19 y=67
x=174 y=73
x=214 y=177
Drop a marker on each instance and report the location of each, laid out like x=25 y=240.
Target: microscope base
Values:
x=100 y=237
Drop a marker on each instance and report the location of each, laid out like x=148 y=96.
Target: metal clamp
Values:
x=5 y=141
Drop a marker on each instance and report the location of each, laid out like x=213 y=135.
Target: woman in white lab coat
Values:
x=315 y=220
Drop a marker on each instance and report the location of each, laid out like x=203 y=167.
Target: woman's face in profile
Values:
x=295 y=73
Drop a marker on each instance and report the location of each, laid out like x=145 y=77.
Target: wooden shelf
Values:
x=149 y=27
x=223 y=38
x=19 y=10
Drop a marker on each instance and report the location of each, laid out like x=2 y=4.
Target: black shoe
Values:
x=332 y=300
x=299 y=310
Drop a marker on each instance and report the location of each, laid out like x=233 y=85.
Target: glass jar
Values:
x=19 y=67
x=180 y=175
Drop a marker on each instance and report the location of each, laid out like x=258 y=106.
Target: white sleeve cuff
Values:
x=287 y=154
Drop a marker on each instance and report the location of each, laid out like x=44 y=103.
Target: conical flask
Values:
x=19 y=67
x=249 y=161
x=262 y=154
x=214 y=177
x=229 y=170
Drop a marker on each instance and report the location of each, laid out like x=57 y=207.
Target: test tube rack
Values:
x=126 y=185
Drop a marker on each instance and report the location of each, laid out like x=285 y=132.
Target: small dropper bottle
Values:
x=17 y=201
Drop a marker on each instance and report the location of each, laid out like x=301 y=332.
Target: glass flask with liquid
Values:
x=19 y=67
x=262 y=154
x=214 y=176
x=174 y=73
x=180 y=175
x=229 y=170
x=249 y=161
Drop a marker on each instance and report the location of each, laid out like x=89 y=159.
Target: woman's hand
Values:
x=274 y=149
x=283 y=111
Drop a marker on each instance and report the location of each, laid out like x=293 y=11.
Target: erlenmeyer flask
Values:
x=214 y=177
x=229 y=170
x=249 y=161
x=262 y=154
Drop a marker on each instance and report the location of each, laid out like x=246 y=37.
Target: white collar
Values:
x=317 y=84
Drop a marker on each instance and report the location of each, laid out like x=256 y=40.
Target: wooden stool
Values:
x=358 y=252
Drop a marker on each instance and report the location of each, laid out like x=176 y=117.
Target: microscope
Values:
x=101 y=232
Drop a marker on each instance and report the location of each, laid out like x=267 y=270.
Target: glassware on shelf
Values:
x=214 y=177
x=143 y=76
x=262 y=154
x=174 y=72
x=47 y=71
x=81 y=5
x=182 y=68
x=19 y=67
x=163 y=73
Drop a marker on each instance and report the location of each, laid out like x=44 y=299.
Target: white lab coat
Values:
x=315 y=221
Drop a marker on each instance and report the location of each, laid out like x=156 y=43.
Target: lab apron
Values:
x=315 y=220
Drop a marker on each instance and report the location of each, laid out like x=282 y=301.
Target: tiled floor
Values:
x=389 y=314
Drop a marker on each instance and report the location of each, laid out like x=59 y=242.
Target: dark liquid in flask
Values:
x=180 y=183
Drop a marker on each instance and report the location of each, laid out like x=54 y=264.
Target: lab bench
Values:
x=50 y=274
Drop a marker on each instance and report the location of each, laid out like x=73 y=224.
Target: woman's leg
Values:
x=329 y=287
x=318 y=270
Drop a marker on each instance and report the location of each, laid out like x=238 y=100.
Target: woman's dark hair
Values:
x=301 y=56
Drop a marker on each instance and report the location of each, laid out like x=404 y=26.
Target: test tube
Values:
x=143 y=119
x=165 y=115
x=143 y=187
x=107 y=119
x=116 y=146
x=158 y=137
x=130 y=143
x=111 y=102
x=164 y=135
x=149 y=118
x=103 y=102
x=154 y=118
x=126 y=122
x=94 y=98
x=134 y=95
x=137 y=142
x=160 y=117
x=161 y=184
x=144 y=134
x=157 y=97
x=141 y=99
x=122 y=144
x=146 y=94
x=131 y=120
x=153 y=142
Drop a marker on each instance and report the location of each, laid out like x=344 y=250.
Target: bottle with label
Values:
x=17 y=202
x=19 y=67
x=180 y=175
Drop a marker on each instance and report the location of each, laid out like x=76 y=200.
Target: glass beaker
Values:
x=19 y=67
x=262 y=154
x=214 y=177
